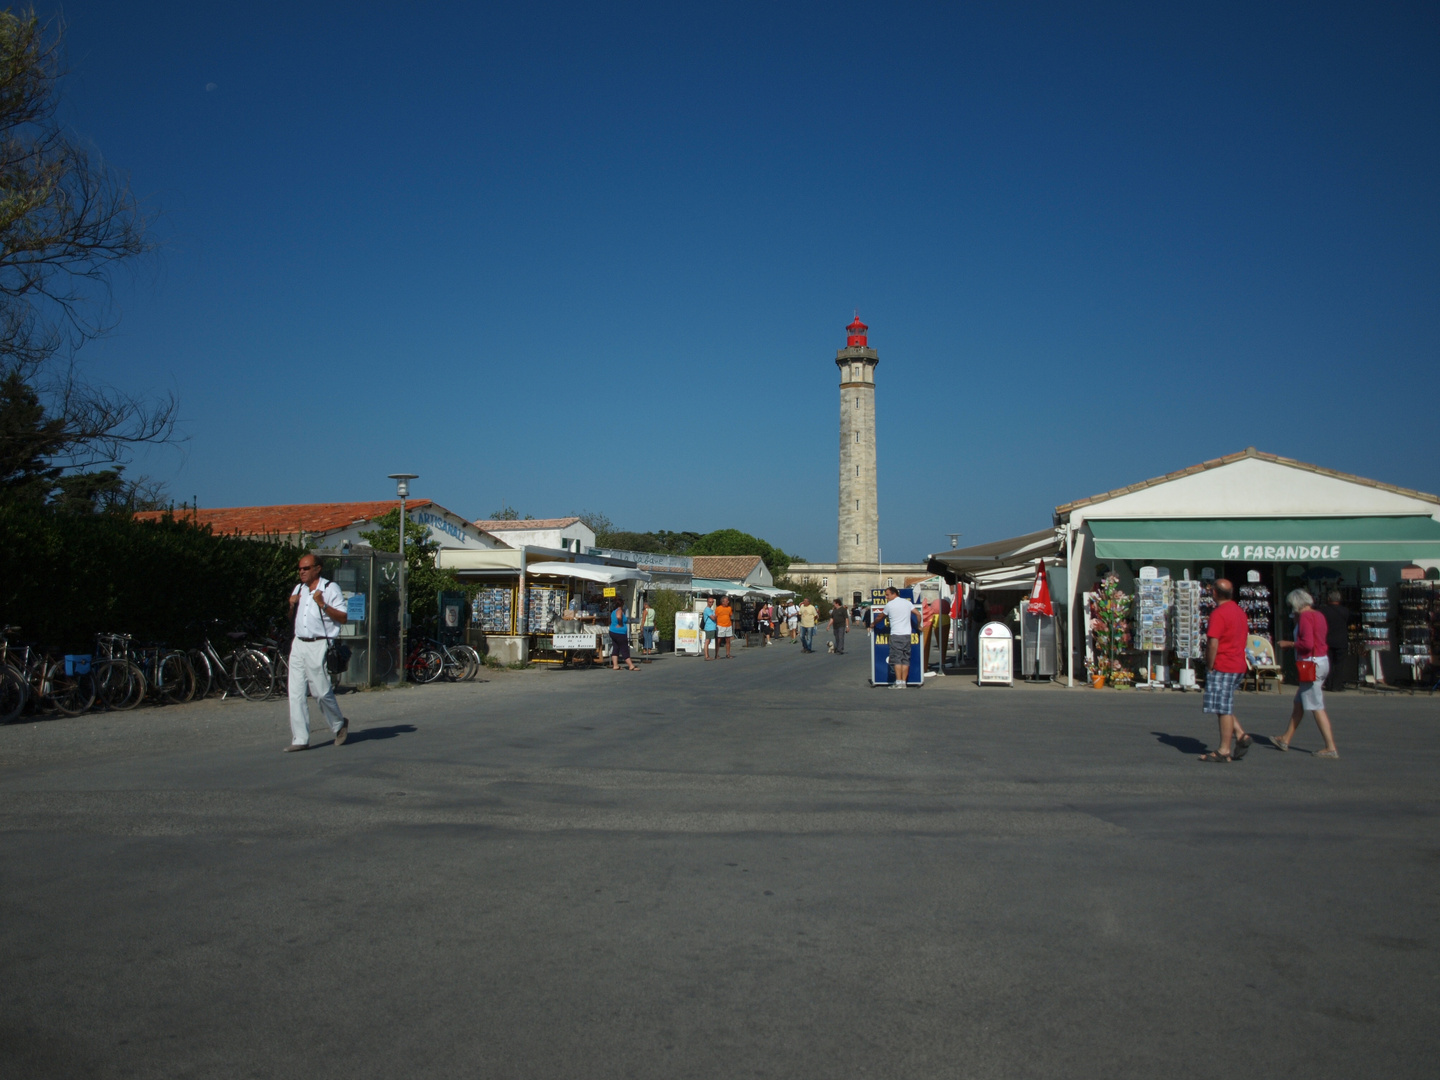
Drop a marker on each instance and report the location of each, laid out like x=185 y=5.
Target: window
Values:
x=825 y=583
x=889 y=582
x=857 y=538
x=857 y=470
x=857 y=436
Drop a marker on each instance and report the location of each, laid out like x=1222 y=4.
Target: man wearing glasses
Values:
x=318 y=608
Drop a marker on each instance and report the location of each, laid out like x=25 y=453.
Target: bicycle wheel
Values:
x=174 y=681
x=472 y=661
x=13 y=692
x=427 y=667
x=204 y=677
x=70 y=695
x=119 y=684
x=252 y=674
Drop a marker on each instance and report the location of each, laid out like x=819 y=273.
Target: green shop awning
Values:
x=1355 y=539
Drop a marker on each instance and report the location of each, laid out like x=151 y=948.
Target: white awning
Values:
x=609 y=575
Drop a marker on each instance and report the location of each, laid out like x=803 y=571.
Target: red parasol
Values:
x=1040 y=593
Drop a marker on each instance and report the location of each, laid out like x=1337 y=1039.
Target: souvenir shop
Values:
x=565 y=613
x=1144 y=556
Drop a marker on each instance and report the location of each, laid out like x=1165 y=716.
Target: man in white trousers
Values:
x=318 y=607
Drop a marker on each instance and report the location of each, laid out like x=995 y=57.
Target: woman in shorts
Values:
x=620 y=638
x=1309 y=644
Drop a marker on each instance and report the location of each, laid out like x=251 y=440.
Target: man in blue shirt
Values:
x=708 y=628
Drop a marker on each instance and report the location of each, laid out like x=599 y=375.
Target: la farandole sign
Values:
x=1272 y=552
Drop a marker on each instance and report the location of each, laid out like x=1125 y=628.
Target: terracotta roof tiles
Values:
x=726 y=567
x=286 y=520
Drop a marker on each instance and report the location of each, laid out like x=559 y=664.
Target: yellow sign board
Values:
x=610 y=591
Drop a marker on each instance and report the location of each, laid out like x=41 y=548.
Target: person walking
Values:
x=1312 y=658
x=898 y=613
x=792 y=619
x=707 y=629
x=647 y=628
x=839 y=619
x=1337 y=639
x=767 y=622
x=1224 y=668
x=620 y=637
x=808 y=618
x=724 y=626
x=318 y=609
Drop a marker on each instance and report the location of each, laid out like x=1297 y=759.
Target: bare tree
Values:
x=67 y=220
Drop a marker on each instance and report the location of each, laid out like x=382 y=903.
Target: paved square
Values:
x=757 y=867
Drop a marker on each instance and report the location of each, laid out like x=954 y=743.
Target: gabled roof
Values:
x=530 y=523
x=1063 y=512
x=286 y=520
x=726 y=567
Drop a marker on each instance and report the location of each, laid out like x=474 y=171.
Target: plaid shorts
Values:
x=1220 y=692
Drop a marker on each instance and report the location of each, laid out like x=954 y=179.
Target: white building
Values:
x=558 y=534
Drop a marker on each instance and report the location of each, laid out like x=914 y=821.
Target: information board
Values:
x=997 y=655
x=687 y=632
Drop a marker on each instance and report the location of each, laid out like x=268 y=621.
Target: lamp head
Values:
x=402 y=482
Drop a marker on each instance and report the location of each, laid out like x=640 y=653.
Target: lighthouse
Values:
x=857 y=558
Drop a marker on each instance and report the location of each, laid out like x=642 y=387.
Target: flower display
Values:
x=1110 y=608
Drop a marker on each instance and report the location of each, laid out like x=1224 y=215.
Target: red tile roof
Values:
x=726 y=567
x=286 y=520
x=532 y=523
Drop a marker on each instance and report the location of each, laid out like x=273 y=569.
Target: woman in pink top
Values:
x=1309 y=643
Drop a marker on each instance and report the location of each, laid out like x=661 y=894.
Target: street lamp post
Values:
x=402 y=489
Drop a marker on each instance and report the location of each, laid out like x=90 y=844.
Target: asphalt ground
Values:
x=757 y=867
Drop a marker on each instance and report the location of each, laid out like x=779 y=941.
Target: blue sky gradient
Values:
x=586 y=256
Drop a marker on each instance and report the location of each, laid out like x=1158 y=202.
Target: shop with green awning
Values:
x=1270 y=525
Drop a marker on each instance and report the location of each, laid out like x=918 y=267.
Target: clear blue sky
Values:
x=601 y=256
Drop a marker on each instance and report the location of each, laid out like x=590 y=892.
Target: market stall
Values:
x=1269 y=525
x=525 y=597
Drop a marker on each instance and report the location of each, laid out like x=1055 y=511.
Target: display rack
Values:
x=1419 y=604
x=1152 y=605
x=1375 y=629
x=543 y=605
x=493 y=610
x=1189 y=634
x=1254 y=600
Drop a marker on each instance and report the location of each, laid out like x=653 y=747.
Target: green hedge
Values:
x=66 y=577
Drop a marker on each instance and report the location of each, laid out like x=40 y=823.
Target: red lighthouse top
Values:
x=856 y=331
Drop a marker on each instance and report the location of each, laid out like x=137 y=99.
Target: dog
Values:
x=829 y=646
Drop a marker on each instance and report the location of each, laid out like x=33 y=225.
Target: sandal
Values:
x=1216 y=756
x=1279 y=743
x=1331 y=754
x=1242 y=747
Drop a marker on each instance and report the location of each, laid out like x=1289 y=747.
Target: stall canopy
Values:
x=709 y=586
x=609 y=575
x=1355 y=539
x=999 y=554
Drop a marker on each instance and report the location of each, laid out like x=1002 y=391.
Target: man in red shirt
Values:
x=1224 y=668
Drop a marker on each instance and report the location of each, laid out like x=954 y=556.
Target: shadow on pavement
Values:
x=367 y=734
x=1184 y=743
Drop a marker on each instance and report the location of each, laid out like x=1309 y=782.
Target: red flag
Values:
x=1040 y=593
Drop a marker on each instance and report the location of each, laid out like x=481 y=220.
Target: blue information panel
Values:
x=881 y=673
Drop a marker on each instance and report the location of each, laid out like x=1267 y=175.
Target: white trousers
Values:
x=307 y=670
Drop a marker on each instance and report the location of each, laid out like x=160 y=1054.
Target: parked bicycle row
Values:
x=120 y=674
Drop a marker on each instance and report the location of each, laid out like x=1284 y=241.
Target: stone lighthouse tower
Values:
x=858 y=556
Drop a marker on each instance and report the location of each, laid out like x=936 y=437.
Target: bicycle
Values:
x=245 y=670
x=167 y=672
x=459 y=663
x=51 y=683
x=119 y=682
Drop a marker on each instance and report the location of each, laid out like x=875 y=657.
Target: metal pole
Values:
x=403 y=604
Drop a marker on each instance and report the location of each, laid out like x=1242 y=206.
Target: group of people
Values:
x=1225 y=663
